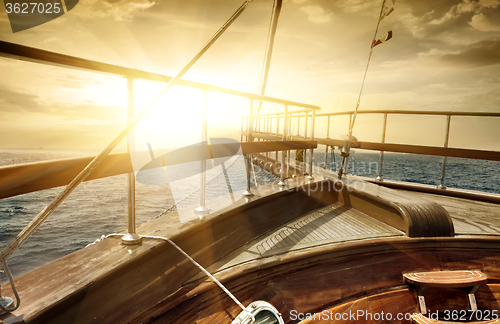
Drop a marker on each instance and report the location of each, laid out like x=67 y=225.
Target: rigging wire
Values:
x=351 y=126
x=273 y=25
x=347 y=142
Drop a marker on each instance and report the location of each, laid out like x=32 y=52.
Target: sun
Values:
x=177 y=120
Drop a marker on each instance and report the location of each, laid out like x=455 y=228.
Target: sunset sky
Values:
x=444 y=55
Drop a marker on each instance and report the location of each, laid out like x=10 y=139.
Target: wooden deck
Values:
x=470 y=217
x=335 y=223
x=280 y=243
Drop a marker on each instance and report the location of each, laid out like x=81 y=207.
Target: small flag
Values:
x=382 y=39
x=387 y=9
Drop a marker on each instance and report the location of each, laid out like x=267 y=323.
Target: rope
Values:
x=195 y=263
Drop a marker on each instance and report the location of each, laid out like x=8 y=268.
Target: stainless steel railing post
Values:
x=305 y=127
x=202 y=209
x=248 y=192
x=277 y=133
x=241 y=130
x=288 y=152
x=326 y=157
x=258 y=125
x=443 y=165
x=131 y=237
x=283 y=153
x=328 y=128
x=379 y=177
x=327 y=136
x=311 y=151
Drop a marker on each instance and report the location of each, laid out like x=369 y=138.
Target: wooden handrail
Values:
x=395 y=112
x=415 y=112
x=419 y=149
x=25 y=178
x=36 y=55
x=399 y=148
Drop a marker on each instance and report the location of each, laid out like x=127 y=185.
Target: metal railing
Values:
x=251 y=128
x=385 y=113
x=25 y=53
x=444 y=151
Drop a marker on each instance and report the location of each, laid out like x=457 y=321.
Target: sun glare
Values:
x=177 y=119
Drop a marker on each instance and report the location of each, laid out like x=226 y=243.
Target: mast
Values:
x=269 y=49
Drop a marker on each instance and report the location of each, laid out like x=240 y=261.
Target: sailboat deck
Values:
x=338 y=223
x=334 y=223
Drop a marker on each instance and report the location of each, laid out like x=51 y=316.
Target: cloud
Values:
x=483 y=23
x=317 y=14
x=13 y=101
x=486 y=101
x=466 y=6
x=119 y=10
x=30 y=105
x=365 y=6
x=489 y=3
x=483 y=53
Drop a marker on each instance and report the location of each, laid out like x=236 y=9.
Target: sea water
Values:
x=99 y=207
x=94 y=208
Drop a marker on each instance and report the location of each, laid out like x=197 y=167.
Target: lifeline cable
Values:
x=195 y=263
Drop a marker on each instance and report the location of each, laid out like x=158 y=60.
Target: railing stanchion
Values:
x=258 y=124
x=327 y=137
x=266 y=130
x=298 y=125
x=202 y=209
x=247 y=192
x=283 y=153
x=277 y=133
x=328 y=128
x=379 y=177
x=241 y=130
x=326 y=157
x=131 y=237
x=288 y=152
x=443 y=166
x=311 y=151
x=305 y=127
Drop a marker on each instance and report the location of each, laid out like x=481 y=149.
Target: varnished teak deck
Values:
x=277 y=246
